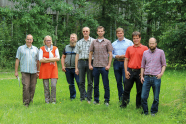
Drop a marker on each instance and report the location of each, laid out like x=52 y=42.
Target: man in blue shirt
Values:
x=120 y=46
x=27 y=56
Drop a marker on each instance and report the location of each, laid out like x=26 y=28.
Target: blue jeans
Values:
x=119 y=74
x=96 y=72
x=70 y=75
x=155 y=83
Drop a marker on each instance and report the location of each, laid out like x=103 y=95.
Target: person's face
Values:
x=48 y=41
x=86 y=32
x=100 y=32
x=29 y=40
x=152 y=44
x=136 y=39
x=73 y=38
x=120 y=35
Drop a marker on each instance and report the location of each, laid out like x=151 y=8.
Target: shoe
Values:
x=26 y=105
x=152 y=114
x=53 y=102
x=88 y=102
x=144 y=113
x=122 y=106
x=96 y=103
x=106 y=103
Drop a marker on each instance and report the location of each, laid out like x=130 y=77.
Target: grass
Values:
x=172 y=107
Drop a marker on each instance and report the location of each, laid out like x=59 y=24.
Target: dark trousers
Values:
x=119 y=75
x=71 y=75
x=29 y=83
x=96 y=73
x=83 y=68
x=147 y=84
x=134 y=76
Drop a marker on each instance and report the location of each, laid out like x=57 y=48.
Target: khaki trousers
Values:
x=29 y=83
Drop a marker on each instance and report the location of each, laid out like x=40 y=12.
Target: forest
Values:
x=163 y=19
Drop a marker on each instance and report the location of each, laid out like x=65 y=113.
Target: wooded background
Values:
x=163 y=19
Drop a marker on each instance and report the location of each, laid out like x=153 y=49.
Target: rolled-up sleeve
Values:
x=163 y=60
x=40 y=54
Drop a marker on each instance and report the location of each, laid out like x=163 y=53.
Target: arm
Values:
x=90 y=60
x=142 y=72
x=76 y=64
x=16 y=67
x=47 y=60
x=110 y=60
x=127 y=74
x=162 y=71
x=63 y=62
x=38 y=67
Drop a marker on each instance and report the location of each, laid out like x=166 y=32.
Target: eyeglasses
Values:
x=47 y=40
x=85 y=31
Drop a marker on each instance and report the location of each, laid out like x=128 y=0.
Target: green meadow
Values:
x=172 y=106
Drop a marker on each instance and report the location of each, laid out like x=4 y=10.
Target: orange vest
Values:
x=48 y=70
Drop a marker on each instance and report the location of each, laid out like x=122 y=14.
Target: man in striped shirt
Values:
x=152 y=68
x=27 y=55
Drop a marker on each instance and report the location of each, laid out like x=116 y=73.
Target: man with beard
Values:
x=152 y=68
x=68 y=65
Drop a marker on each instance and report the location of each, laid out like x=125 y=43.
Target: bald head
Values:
x=86 y=32
x=152 y=39
x=152 y=43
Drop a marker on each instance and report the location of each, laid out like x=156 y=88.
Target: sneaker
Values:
x=96 y=103
x=106 y=103
x=88 y=102
x=26 y=105
x=152 y=114
x=53 y=102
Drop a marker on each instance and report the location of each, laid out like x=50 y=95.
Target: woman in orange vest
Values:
x=48 y=55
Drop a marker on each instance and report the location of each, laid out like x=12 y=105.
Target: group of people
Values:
x=133 y=62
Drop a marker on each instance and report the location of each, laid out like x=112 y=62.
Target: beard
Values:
x=152 y=48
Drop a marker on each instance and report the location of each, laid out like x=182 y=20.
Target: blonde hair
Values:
x=119 y=29
x=45 y=39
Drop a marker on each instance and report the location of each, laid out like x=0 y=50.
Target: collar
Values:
x=27 y=46
x=121 y=40
x=46 y=48
x=154 y=50
x=101 y=41
x=138 y=46
x=87 y=40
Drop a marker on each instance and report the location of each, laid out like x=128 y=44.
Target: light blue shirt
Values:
x=120 y=47
x=28 y=58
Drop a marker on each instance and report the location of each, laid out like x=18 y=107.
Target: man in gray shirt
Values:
x=81 y=64
x=27 y=55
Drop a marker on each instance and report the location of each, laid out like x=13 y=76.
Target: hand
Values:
x=140 y=76
x=122 y=56
x=142 y=80
x=77 y=71
x=117 y=56
x=37 y=74
x=107 y=67
x=159 y=76
x=63 y=69
x=16 y=74
x=127 y=75
x=90 y=67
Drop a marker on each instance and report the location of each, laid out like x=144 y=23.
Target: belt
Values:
x=121 y=60
x=134 y=69
x=151 y=75
x=83 y=59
